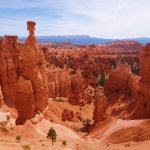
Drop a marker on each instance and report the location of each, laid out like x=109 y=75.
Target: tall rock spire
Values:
x=31 y=28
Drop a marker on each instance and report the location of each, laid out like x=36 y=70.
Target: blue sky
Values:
x=97 y=18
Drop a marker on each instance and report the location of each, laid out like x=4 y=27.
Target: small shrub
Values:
x=64 y=142
x=18 y=138
x=11 y=128
x=87 y=121
x=135 y=70
x=26 y=147
x=41 y=140
x=127 y=145
x=51 y=120
x=87 y=124
x=61 y=100
x=4 y=129
x=58 y=100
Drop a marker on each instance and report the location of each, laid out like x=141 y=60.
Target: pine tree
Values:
x=51 y=135
x=101 y=80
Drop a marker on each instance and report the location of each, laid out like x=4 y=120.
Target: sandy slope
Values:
x=117 y=130
x=82 y=144
x=35 y=136
x=55 y=109
x=112 y=130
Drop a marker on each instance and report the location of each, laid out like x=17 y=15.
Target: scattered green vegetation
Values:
x=87 y=124
x=64 y=142
x=26 y=147
x=101 y=80
x=123 y=61
x=51 y=135
x=58 y=100
x=11 y=128
x=18 y=138
x=135 y=70
x=113 y=64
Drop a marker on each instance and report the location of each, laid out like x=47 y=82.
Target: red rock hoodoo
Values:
x=100 y=105
x=22 y=74
x=142 y=110
x=78 y=95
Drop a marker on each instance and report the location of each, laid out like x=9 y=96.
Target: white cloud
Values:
x=100 y=18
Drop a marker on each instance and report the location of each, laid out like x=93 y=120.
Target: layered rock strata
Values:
x=22 y=77
x=121 y=80
x=142 y=110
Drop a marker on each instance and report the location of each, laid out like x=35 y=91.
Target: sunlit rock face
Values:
x=78 y=95
x=121 y=80
x=143 y=93
x=23 y=80
x=100 y=105
x=120 y=90
x=59 y=83
x=72 y=87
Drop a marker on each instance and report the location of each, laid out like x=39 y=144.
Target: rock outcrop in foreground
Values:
x=22 y=77
x=142 y=110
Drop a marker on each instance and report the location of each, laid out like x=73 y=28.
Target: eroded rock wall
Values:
x=59 y=83
x=142 y=110
x=121 y=80
x=22 y=77
x=73 y=87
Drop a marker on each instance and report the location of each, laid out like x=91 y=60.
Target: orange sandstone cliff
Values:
x=142 y=110
x=22 y=77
